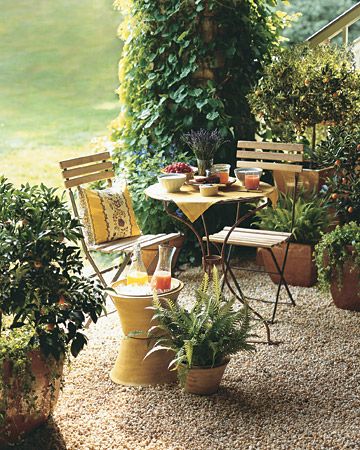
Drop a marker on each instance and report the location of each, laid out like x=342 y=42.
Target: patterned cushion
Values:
x=107 y=214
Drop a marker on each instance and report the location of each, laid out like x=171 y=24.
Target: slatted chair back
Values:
x=87 y=169
x=273 y=156
x=270 y=156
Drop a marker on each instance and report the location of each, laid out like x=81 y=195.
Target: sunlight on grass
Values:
x=58 y=75
x=41 y=165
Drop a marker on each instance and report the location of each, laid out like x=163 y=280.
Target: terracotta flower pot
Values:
x=131 y=367
x=300 y=268
x=20 y=418
x=347 y=294
x=150 y=255
x=205 y=380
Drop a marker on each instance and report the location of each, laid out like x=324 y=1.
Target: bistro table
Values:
x=193 y=206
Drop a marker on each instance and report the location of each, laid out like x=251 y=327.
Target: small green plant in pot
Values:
x=311 y=219
x=203 y=337
x=337 y=258
x=204 y=144
x=44 y=303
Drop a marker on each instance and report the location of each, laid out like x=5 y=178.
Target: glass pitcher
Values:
x=137 y=273
x=161 y=280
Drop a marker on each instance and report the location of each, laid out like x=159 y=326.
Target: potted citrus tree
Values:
x=302 y=89
x=311 y=219
x=44 y=303
x=203 y=337
x=344 y=184
x=337 y=258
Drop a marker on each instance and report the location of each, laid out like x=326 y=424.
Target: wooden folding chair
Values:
x=96 y=167
x=268 y=156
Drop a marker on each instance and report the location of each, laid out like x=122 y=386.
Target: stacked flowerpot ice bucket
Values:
x=131 y=367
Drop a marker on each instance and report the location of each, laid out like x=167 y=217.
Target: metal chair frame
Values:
x=266 y=153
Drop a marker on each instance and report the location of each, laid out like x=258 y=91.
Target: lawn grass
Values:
x=58 y=75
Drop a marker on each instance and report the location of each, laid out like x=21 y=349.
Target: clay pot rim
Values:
x=225 y=362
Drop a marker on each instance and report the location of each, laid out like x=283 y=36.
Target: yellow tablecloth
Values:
x=193 y=204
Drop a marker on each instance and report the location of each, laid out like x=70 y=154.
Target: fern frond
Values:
x=188 y=345
x=204 y=284
x=156 y=301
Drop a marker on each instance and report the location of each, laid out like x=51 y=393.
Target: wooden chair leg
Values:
x=94 y=266
x=121 y=268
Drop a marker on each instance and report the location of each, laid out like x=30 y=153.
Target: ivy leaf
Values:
x=182 y=35
x=212 y=115
x=145 y=114
x=201 y=103
x=185 y=72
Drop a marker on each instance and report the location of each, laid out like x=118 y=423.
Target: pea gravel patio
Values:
x=301 y=394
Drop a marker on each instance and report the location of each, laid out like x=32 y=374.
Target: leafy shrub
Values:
x=306 y=86
x=311 y=217
x=333 y=249
x=41 y=283
x=184 y=66
x=207 y=333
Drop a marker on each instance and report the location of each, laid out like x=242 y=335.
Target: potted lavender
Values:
x=204 y=144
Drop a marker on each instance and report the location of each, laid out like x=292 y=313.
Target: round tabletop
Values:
x=193 y=204
x=191 y=194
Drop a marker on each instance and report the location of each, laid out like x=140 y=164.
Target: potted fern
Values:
x=202 y=338
x=311 y=219
x=44 y=303
x=337 y=257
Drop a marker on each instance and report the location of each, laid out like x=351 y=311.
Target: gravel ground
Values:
x=301 y=394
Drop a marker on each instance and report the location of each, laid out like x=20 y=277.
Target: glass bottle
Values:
x=161 y=279
x=137 y=273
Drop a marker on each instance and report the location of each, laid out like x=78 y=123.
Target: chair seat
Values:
x=127 y=244
x=250 y=237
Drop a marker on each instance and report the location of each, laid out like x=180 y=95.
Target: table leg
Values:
x=208 y=260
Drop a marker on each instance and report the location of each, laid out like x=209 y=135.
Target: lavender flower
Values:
x=204 y=143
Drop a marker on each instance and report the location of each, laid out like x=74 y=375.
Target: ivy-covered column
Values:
x=188 y=64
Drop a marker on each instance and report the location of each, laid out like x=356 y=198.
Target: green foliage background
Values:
x=186 y=65
x=311 y=217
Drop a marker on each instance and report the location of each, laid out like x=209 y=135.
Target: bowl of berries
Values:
x=180 y=167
